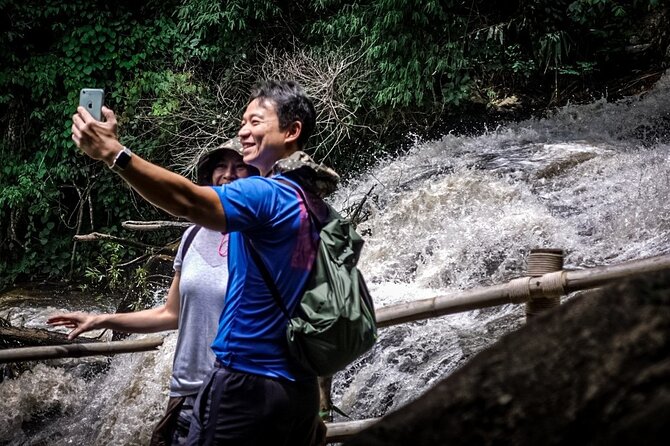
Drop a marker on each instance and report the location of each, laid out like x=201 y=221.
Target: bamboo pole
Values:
x=442 y=305
x=78 y=350
x=598 y=276
x=517 y=291
x=338 y=432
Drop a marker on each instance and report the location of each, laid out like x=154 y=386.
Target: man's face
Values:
x=262 y=140
x=229 y=168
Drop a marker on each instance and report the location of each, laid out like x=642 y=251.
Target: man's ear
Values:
x=293 y=132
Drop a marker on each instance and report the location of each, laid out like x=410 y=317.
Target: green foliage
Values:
x=177 y=73
x=140 y=289
x=218 y=31
x=413 y=64
x=50 y=51
x=106 y=273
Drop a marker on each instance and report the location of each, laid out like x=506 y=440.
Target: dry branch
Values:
x=154 y=225
x=95 y=236
x=202 y=122
x=328 y=80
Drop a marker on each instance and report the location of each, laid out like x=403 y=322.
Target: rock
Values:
x=594 y=371
x=650 y=34
x=507 y=104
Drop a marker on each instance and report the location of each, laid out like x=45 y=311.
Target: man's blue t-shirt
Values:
x=252 y=328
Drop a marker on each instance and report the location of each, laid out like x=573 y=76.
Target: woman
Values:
x=194 y=302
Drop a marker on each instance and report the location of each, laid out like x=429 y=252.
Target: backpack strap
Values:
x=267 y=277
x=315 y=220
x=260 y=264
x=189 y=240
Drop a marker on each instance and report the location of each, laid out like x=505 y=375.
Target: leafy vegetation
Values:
x=178 y=74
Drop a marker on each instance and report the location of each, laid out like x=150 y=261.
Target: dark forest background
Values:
x=178 y=73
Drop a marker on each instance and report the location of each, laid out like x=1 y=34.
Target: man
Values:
x=257 y=394
x=194 y=302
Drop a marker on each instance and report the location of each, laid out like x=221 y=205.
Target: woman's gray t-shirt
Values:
x=202 y=290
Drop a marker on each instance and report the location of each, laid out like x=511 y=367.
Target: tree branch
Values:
x=95 y=236
x=154 y=225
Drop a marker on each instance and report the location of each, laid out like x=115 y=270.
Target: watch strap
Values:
x=121 y=160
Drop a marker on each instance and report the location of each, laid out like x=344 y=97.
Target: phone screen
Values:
x=92 y=100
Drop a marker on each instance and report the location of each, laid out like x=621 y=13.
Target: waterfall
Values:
x=450 y=215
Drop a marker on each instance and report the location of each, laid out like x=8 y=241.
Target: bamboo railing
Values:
x=518 y=291
x=338 y=432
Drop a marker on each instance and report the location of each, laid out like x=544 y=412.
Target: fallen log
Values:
x=16 y=336
x=78 y=350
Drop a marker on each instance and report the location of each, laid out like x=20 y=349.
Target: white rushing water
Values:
x=453 y=214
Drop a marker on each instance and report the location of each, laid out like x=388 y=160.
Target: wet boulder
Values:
x=594 y=371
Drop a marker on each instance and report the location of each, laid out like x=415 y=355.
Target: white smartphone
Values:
x=92 y=100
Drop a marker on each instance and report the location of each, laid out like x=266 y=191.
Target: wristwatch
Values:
x=121 y=160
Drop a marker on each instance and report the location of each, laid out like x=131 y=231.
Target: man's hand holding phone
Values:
x=95 y=138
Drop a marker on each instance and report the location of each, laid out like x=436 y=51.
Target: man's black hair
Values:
x=291 y=104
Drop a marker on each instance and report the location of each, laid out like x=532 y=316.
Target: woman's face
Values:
x=229 y=168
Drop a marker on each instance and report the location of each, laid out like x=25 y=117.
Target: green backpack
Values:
x=335 y=319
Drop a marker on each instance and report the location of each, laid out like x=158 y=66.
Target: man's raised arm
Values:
x=166 y=190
